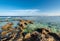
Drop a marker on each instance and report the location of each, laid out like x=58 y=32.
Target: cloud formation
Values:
x=28 y=12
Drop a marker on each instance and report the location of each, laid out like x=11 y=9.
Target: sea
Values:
x=45 y=20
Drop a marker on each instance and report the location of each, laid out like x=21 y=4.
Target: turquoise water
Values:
x=39 y=21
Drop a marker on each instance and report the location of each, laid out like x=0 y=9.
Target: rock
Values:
x=27 y=36
x=4 y=33
x=33 y=37
x=17 y=34
x=29 y=21
x=7 y=26
x=43 y=34
x=43 y=30
x=56 y=37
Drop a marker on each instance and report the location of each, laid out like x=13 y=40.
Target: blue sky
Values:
x=29 y=7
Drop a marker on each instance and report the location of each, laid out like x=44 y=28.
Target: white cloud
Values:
x=28 y=12
x=54 y=13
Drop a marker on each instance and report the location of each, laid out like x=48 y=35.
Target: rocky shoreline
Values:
x=17 y=34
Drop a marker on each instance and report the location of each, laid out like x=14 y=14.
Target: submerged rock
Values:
x=18 y=34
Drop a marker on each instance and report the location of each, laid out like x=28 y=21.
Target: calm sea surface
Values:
x=39 y=19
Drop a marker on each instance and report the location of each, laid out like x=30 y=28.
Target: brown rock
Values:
x=7 y=26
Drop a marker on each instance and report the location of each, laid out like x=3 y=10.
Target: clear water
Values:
x=53 y=21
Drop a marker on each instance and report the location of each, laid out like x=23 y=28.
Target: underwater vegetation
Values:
x=28 y=30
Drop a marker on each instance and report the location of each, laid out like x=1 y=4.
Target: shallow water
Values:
x=53 y=21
